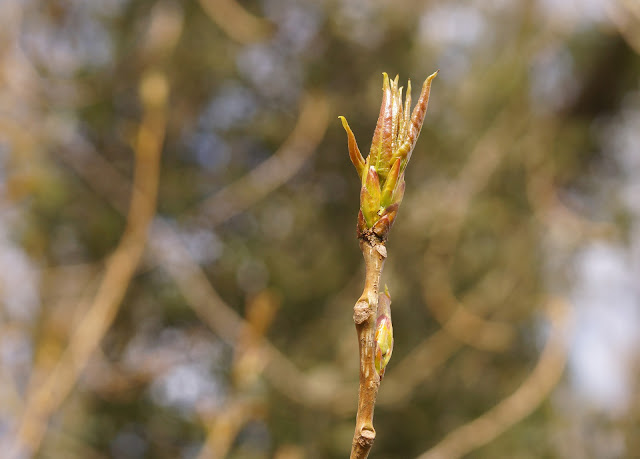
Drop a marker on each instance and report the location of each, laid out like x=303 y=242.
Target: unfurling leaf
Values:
x=390 y=184
x=370 y=196
x=354 y=151
x=377 y=144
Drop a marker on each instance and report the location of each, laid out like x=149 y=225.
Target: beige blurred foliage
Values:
x=159 y=299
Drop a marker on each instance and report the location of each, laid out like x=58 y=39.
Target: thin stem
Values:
x=364 y=315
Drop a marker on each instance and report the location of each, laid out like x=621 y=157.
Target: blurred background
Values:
x=178 y=259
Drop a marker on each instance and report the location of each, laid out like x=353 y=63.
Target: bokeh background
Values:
x=178 y=260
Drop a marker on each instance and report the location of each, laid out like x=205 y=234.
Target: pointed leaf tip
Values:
x=385 y=81
x=354 y=151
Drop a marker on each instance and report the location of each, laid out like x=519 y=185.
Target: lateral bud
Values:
x=384 y=333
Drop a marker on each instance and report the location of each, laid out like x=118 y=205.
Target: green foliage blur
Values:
x=235 y=335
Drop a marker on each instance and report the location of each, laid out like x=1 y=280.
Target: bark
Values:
x=365 y=313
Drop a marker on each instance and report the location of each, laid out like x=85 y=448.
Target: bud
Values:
x=394 y=138
x=384 y=333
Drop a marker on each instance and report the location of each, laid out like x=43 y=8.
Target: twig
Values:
x=382 y=177
x=364 y=316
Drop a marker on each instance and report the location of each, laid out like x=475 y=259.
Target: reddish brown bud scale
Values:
x=384 y=224
x=382 y=227
x=362 y=225
x=391 y=211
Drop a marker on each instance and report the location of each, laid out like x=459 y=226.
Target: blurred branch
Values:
x=453 y=202
x=430 y=354
x=101 y=176
x=454 y=317
x=224 y=428
x=625 y=15
x=531 y=393
x=235 y=198
x=427 y=356
x=193 y=284
x=543 y=194
x=247 y=366
x=277 y=169
x=236 y=22
x=459 y=324
x=452 y=314
x=120 y=268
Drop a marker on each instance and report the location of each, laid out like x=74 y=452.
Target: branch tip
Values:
x=432 y=76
